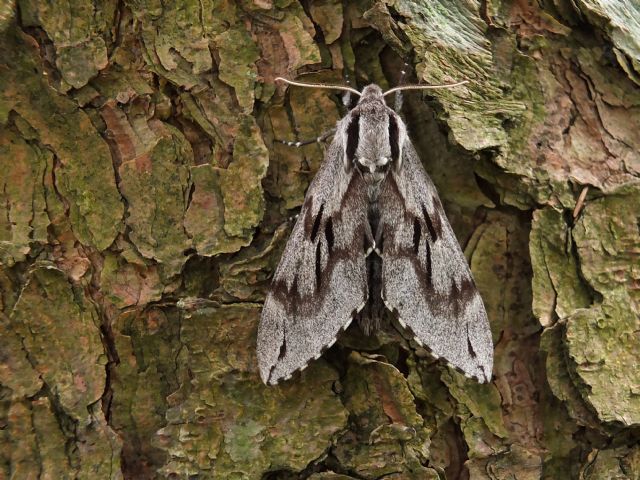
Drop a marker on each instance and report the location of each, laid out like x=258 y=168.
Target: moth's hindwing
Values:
x=425 y=276
x=320 y=282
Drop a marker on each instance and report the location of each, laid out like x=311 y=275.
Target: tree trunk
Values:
x=145 y=203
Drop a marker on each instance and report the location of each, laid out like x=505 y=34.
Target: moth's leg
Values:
x=378 y=238
x=374 y=239
x=302 y=143
x=368 y=235
x=397 y=103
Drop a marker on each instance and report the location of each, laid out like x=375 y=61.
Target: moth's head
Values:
x=371 y=93
x=372 y=134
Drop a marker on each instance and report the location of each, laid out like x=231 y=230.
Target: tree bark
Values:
x=145 y=202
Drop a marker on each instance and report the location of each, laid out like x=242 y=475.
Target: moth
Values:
x=372 y=235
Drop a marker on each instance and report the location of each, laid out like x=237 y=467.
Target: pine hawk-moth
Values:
x=372 y=235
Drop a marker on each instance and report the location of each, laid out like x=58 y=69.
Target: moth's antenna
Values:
x=424 y=87
x=319 y=85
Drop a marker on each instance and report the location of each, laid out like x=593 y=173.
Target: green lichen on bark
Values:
x=244 y=276
x=75 y=375
x=204 y=219
x=328 y=15
x=16 y=372
x=240 y=182
x=391 y=438
x=147 y=342
x=214 y=429
x=80 y=45
x=619 y=20
x=128 y=284
x=23 y=194
x=602 y=341
x=156 y=186
x=557 y=287
x=602 y=344
x=606 y=237
x=56 y=326
x=83 y=169
x=238 y=55
x=598 y=339
x=48 y=318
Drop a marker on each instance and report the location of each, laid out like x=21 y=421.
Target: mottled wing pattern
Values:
x=321 y=280
x=425 y=276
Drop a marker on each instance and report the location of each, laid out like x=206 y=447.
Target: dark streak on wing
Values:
x=435 y=201
x=432 y=293
x=394 y=134
x=294 y=290
x=463 y=293
x=283 y=347
x=308 y=219
x=427 y=266
x=455 y=299
x=328 y=234
x=454 y=293
x=435 y=228
x=316 y=224
x=459 y=296
x=437 y=219
x=469 y=346
x=318 y=265
x=468 y=289
x=281 y=353
x=353 y=134
x=417 y=235
x=289 y=295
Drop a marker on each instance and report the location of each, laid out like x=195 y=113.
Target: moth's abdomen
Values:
x=370 y=317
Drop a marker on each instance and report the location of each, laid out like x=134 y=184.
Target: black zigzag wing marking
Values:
x=394 y=138
x=353 y=136
x=425 y=276
x=321 y=280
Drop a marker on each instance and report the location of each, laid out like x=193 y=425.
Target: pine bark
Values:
x=145 y=201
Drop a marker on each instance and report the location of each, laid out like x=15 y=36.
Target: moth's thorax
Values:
x=373 y=154
x=374 y=161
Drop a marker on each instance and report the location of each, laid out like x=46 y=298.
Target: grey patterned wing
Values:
x=425 y=276
x=321 y=281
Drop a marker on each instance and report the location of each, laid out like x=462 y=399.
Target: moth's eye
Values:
x=363 y=161
x=384 y=160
